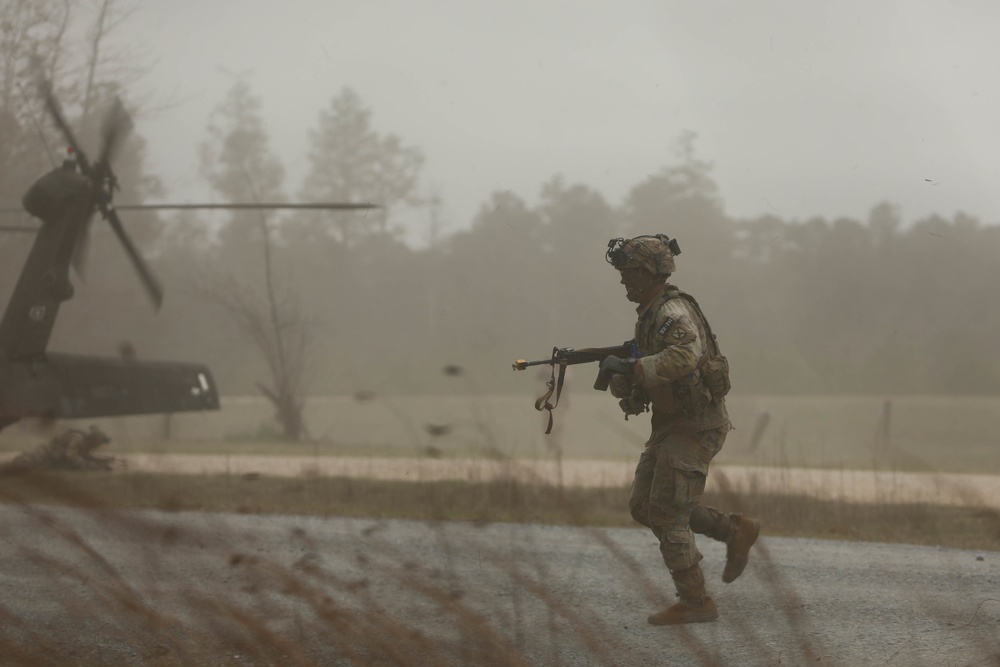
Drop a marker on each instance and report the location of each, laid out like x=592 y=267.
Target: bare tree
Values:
x=273 y=321
x=237 y=162
x=31 y=36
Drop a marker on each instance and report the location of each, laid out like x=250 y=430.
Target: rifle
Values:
x=568 y=356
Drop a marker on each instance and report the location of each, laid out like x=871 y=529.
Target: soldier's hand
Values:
x=615 y=364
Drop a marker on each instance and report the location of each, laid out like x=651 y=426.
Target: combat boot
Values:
x=695 y=605
x=742 y=537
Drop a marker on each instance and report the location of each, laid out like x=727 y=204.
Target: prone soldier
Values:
x=72 y=450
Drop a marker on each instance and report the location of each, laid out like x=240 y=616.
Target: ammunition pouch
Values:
x=635 y=403
x=621 y=385
x=715 y=375
x=712 y=376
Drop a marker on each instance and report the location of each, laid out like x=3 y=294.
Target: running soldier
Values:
x=683 y=375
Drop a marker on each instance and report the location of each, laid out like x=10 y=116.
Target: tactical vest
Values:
x=712 y=369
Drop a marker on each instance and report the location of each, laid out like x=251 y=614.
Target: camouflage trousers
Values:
x=667 y=488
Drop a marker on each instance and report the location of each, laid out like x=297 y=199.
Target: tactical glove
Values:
x=613 y=364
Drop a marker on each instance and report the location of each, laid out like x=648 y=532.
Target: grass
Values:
x=497 y=501
x=273 y=614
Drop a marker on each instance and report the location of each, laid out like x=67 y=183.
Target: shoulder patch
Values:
x=666 y=326
x=680 y=330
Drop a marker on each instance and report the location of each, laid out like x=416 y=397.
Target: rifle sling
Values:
x=554 y=386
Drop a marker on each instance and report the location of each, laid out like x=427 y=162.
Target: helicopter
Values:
x=38 y=384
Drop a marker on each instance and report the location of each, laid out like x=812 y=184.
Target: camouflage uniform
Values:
x=689 y=427
x=683 y=374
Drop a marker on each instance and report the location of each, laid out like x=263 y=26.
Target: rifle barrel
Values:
x=521 y=364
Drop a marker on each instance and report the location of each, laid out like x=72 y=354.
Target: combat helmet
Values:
x=655 y=253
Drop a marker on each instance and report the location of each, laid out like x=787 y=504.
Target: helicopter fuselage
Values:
x=37 y=384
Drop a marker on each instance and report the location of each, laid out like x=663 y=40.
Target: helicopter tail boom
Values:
x=67 y=386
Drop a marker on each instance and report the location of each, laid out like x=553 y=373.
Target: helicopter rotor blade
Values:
x=115 y=128
x=332 y=206
x=81 y=251
x=149 y=281
x=55 y=110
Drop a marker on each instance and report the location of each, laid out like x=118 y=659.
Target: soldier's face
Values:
x=638 y=283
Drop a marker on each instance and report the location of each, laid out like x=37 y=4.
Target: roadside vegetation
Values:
x=495 y=501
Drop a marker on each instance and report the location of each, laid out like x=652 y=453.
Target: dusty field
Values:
x=940 y=450
x=950 y=434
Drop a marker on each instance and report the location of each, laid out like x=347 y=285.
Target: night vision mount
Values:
x=617 y=256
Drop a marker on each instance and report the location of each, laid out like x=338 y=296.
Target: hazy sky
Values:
x=805 y=108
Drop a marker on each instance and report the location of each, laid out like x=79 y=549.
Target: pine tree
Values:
x=351 y=162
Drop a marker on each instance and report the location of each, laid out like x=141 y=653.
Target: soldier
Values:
x=684 y=376
x=72 y=450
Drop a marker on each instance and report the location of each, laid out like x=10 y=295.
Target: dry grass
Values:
x=298 y=614
x=305 y=613
x=366 y=600
x=498 y=501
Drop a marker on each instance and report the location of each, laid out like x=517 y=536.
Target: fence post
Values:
x=883 y=432
x=763 y=418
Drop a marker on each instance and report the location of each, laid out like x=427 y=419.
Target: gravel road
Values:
x=148 y=588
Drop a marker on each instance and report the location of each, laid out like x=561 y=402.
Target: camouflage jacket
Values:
x=672 y=337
